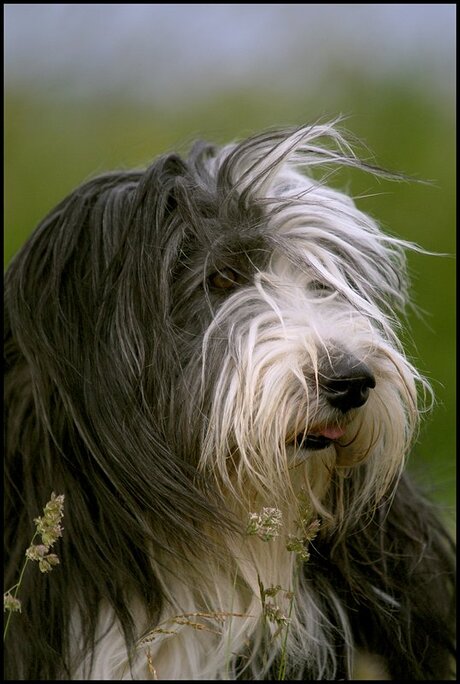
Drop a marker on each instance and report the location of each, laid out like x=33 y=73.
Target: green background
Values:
x=53 y=145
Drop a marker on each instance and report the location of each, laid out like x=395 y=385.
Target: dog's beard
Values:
x=269 y=430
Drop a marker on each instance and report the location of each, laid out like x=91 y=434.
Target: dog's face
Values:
x=278 y=299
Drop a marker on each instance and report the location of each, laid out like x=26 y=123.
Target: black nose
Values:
x=347 y=382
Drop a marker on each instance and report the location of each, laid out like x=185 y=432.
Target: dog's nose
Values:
x=347 y=383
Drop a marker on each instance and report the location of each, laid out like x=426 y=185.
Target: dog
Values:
x=203 y=358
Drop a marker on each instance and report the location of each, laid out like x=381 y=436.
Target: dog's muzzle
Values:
x=346 y=381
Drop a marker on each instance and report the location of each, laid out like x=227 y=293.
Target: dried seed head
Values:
x=11 y=604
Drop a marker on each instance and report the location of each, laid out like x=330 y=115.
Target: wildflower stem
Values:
x=228 y=648
x=49 y=528
x=282 y=667
x=16 y=589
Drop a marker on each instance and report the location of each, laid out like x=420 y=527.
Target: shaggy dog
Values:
x=203 y=358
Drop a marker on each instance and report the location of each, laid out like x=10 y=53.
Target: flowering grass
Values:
x=48 y=527
x=267 y=525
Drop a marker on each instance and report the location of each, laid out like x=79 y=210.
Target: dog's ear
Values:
x=87 y=325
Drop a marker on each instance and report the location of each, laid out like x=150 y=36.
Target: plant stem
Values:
x=16 y=588
x=282 y=667
x=229 y=638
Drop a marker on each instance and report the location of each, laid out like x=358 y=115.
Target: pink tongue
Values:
x=332 y=432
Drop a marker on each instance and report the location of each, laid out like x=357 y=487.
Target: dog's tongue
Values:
x=331 y=433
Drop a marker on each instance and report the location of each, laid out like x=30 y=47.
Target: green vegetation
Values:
x=53 y=146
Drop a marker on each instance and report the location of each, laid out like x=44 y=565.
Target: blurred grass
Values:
x=52 y=146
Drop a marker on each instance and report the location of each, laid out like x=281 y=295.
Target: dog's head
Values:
x=219 y=327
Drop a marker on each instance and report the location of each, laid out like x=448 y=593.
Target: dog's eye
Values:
x=224 y=279
x=320 y=287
